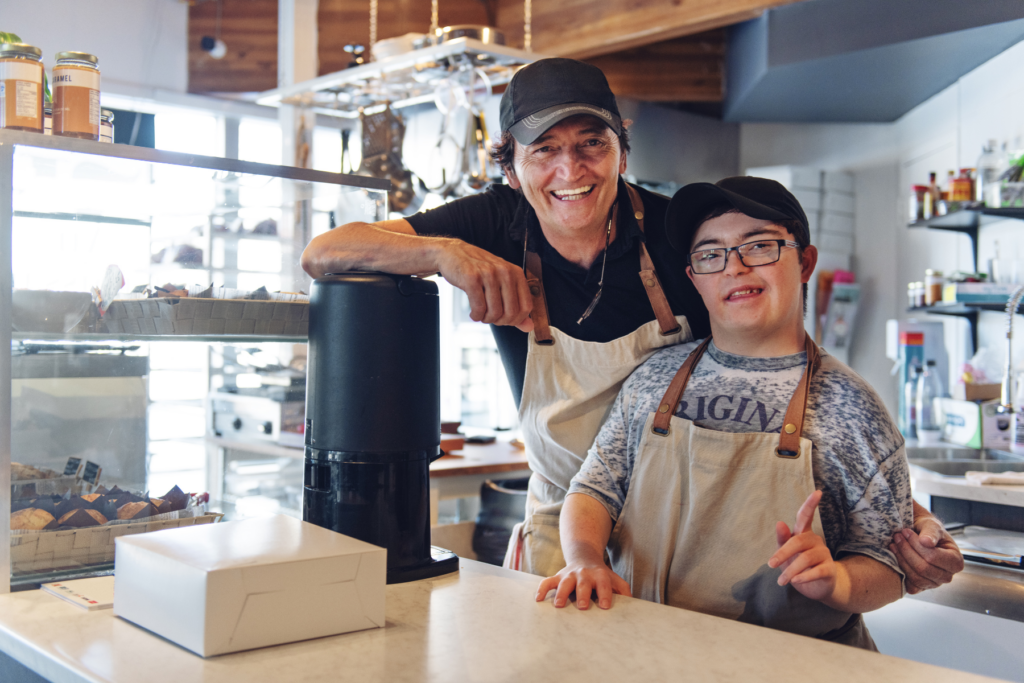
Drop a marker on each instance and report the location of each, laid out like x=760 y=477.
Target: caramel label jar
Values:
x=21 y=87
x=76 y=96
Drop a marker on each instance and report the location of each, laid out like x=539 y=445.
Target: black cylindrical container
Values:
x=373 y=420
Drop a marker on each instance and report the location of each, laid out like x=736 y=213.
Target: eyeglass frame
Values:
x=780 y=242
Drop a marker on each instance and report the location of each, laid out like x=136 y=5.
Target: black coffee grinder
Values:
x=373 y=416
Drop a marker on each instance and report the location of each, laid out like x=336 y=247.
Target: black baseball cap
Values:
x=543 y=93
x=759 y=198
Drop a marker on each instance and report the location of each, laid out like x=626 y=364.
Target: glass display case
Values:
x=143 y=287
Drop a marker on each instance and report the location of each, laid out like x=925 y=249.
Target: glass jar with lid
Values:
x=21 y=87
x=932 y=287
x=76 y=96
x=106 y=126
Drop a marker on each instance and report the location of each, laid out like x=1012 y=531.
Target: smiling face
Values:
x=570 y=175
x=755 y=311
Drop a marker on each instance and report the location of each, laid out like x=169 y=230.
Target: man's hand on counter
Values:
x=927 y=554
x=497 y=290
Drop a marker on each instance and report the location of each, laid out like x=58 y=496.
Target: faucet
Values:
x=1006 y=402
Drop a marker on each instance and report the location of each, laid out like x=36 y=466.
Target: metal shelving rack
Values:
x=402 y=80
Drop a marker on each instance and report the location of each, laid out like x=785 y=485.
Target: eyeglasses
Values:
x=752 y=254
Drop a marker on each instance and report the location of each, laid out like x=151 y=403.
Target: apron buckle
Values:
x=787 y=454
x=660 y=432
x=671 y=332
x=545 y=342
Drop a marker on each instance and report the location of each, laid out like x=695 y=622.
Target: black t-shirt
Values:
x=496 y=221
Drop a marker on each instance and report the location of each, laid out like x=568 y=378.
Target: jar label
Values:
x=19 y=70
x=26 y=100
x=80 y=78
x=94 y=107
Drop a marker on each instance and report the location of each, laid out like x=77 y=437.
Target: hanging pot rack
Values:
x=402 y=80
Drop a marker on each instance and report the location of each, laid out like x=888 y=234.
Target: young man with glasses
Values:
x=713 y=448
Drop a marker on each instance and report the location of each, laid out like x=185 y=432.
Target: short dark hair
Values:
x=503 y=150
x=794 y=228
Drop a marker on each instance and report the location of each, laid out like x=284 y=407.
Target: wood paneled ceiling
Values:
x=653 y=50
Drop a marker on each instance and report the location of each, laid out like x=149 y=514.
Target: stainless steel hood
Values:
x=860 y=60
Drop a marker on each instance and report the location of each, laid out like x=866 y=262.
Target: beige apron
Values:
x=698 y=523
x=568 y=389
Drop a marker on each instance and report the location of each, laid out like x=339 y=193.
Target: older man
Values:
x=568 y=262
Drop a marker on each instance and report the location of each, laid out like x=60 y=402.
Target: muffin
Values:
x=32 y=519
x=82 y=517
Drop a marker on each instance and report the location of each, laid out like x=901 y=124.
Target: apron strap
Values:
x=652 y=285
x=667 y=322
x=675 y=390
x=793 y=424
x=541 y=326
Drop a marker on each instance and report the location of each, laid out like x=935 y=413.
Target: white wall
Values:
x=672 y=146
x=944 y=133
x=140 y=43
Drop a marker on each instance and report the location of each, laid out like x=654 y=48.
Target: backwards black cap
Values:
x=543 y=93
x=756 y=197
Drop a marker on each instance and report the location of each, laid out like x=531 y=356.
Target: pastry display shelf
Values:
x=106 y=337
x=968 y=221
x=69 y=209
x=404 y=79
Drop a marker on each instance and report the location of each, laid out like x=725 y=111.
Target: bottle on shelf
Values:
x=933 y=281
x=961 y=188
x=936 y=195
x=988 y=170
x=928 y=414
x=994 y=274
x=910 y=404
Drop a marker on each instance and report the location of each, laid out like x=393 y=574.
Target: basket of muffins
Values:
x=68 y=531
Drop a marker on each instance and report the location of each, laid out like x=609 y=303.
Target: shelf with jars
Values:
x=93 y=428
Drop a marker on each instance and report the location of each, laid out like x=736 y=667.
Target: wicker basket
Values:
x=40 y=551
x=188 y=315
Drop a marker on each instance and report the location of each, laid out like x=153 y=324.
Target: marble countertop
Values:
x=478 y=625
x=934 y=484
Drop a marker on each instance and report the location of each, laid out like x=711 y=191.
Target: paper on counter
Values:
x=995 y=478
x=90 y=594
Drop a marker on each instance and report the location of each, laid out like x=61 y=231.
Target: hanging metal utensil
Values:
x=383 y=135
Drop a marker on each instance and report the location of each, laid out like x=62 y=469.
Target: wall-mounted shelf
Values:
x=967 y=311
x=967 y=221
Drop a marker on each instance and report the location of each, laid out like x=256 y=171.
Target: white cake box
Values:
x=233 y=586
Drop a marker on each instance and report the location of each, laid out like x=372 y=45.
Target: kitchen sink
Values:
x=954 y=462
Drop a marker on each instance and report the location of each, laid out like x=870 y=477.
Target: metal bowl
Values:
x=485 y=34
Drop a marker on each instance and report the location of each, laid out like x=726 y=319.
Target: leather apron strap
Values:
x=541 y=324
x=652 y=285
x=662 y=311
x=792 y=426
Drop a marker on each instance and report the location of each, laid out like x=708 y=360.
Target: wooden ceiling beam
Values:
x=687 y=69
x=589 y=28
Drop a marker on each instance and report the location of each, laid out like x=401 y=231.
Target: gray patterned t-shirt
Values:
x=858 y=456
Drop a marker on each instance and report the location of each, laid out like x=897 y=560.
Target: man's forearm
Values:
x=585 y=527
x=363 y=246
x=863 y=584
